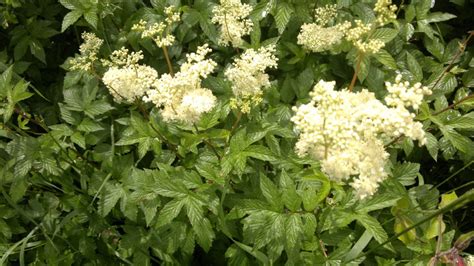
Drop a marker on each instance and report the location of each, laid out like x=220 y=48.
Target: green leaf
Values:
x=70 y=19
x=378 y=202
x=386 y=59
x=170 y=211
x=89 y=125
x=290 y=197
x=293 y=231
x=384 y=34
x=92 y=18
x=283 y=16
x=69 y=4
x=373 y=227
x=438 y=17
x=462 y=122
x=201 y=225
x=270 y=191
x=433 y=229
x=414 y=67
x=432 y=145
x=96 y=108
x=460 y=142
x=37 y=50
x=259 y=152
x=111 y=196
x=406 y=173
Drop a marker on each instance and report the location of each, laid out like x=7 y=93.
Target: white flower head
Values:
x=346 y=131
x=231 y=15
x=181 y=97
x=129 y=83
x=248 y=76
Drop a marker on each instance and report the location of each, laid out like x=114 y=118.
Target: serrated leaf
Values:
x=386 y=59
x=201 y=225
x=70 y=19
x=97 y=108
x=170 y=188
x=414 y=67
x=406 y=173
x=37 y=50
x=290 y=197
x=69 y=4
x=432 y=145
x=462 y=122
x=111 y=196
x=283 y=16
x=170 y=211
x=460 y=142
x=438 y=17
x=373 y=227
x=384 y=34
x=259 y=152
x=377 y=202
x=270 y=191
x=92 y=18
x=293 y=231
x=88 y=125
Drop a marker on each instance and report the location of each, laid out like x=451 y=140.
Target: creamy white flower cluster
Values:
x=159 y=32
x=319 y=37
x=88 y=52
x=248 y=76
x=181 y=96
x=346 y=131
x=358 y=36
x=232 y=15
x=402 y=94
x=385 y=11
x=127 y=80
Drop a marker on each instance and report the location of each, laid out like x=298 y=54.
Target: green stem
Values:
x=168 y=61
x=454 y=174
x=208 y=143
x=356 y=71
x=234 y=126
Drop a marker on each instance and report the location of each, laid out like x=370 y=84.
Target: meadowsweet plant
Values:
x=236 y=132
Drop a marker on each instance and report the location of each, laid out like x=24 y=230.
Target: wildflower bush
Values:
x=264 y=132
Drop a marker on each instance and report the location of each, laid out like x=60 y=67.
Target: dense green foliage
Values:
x=87 y=181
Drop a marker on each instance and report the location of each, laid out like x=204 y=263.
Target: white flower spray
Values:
x=126 y=79
x=181 y=97
x=248 y=76
x=88 y=52
x=231 y=15
x=346 y=131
